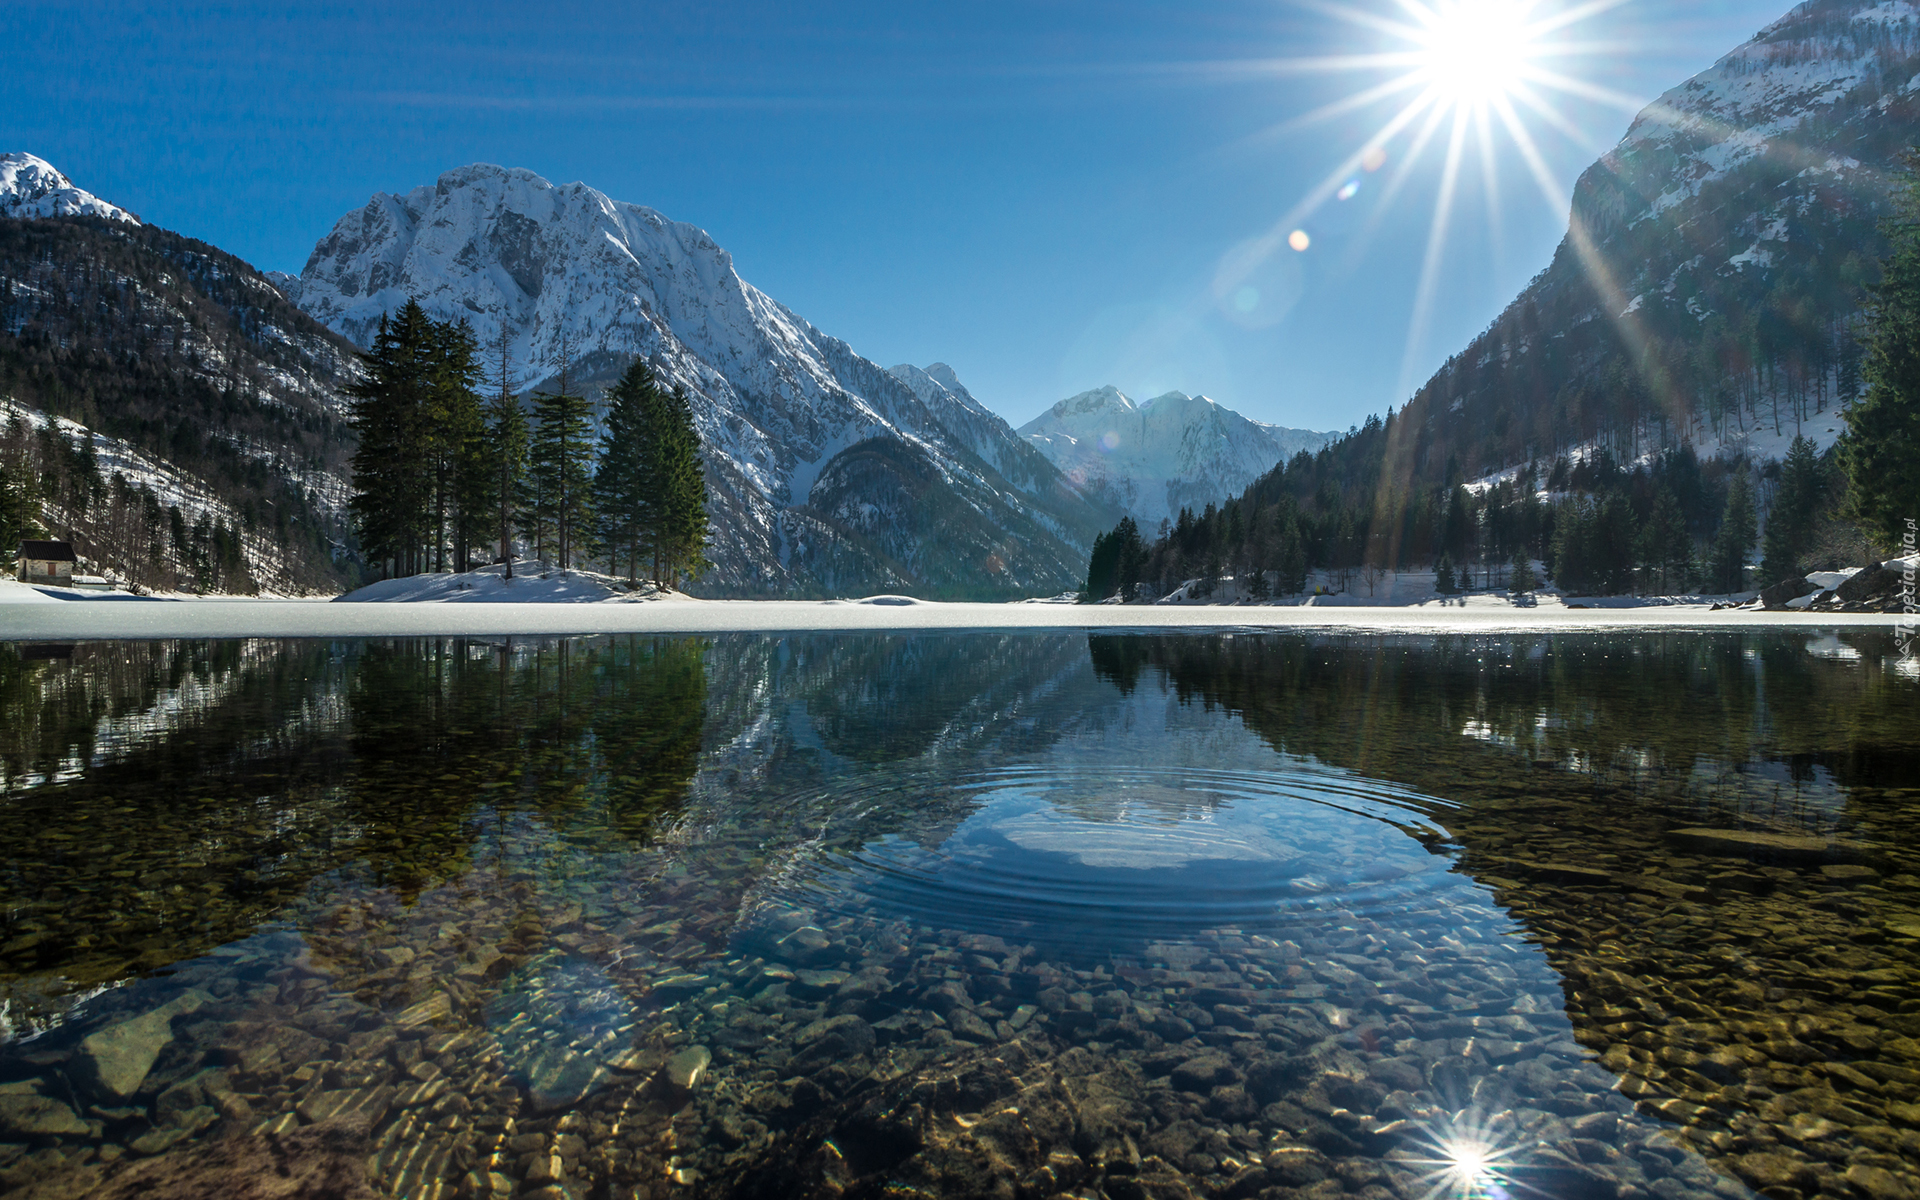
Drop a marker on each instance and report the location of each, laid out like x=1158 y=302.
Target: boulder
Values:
x=113 y=1062
x=687 y=1065
x=1775 y=598
x=1872 y=582
x=1205 y=1071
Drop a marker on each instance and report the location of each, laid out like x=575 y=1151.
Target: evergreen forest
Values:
x=448 y=479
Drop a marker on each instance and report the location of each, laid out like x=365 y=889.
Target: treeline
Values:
x=1676 y=524
x=52 y=486
x=446 y=480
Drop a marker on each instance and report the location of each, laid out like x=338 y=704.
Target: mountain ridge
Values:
x=570 y=273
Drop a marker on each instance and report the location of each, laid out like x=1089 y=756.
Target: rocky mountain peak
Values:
x=30 y=187
x=806 y=441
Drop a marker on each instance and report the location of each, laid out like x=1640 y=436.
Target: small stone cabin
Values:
x=46 y=562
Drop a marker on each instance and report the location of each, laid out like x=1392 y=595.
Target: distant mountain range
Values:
x=1171 y=452
x=829 y=475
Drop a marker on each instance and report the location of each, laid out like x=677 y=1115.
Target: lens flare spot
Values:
x=1373 y=158
x=1247 y=299
x=1110 y=441
x=1351 y=190
x=1299 y=240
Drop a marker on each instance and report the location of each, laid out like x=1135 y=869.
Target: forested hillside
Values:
x=225 y=440
x=1705 y=308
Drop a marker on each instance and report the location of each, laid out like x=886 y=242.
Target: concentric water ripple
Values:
x=1109 y=861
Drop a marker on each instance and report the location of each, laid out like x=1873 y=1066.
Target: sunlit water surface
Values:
x=955 y=914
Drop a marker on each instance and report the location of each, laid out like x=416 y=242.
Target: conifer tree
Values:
x=626 y=500
x=561 y=466
x=1100 y=569
x=454 y=431
x=682 y=523
x=1881 y=447
x=1665 y=547
x=19 y=508
x=505 y=455
x=1520 y=577
x=392 y=500
x=1727 y=565
x=1796 y=502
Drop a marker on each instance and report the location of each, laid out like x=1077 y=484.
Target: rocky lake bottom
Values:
x=955 y=914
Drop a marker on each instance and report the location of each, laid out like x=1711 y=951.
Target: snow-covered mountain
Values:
x=829 y=473
x=1825 y=67
x=1709 y=288
x=1161 y=455
x=195 y=400
x=31 y=187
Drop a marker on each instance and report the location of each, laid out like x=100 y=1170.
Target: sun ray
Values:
x=1490 y=181
x=1472 y=66
x=1436 y=248
x=1576 y=14
x=1612 y=298
x=1328 y=112
x=1590 y=91
x=1402 y=171
x=1362 y=18
x=1549 y=113
x=1333 y=180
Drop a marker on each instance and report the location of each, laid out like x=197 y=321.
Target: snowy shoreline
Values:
x=228 y=618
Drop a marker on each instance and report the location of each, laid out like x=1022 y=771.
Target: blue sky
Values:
x=1046 y=194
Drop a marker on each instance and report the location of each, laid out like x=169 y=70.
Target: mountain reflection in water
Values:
x=1274 y=914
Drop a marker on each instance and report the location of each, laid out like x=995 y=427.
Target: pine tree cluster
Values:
x=440 y=476
x=1673 y=525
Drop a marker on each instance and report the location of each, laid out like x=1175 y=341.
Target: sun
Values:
x=1473 y=52
x=1469 y=79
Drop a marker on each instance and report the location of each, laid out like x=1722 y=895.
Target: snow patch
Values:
x=533 y=582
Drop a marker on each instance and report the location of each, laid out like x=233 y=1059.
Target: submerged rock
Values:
x=685 y=1068
x=1776 y=847
x=29 y=1115
x=113 y=1062
x=325 y=1161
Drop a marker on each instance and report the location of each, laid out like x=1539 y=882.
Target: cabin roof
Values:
x=48 y=551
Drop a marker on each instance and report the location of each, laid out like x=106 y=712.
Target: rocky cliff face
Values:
x=1156 y=457
x=784 y=410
